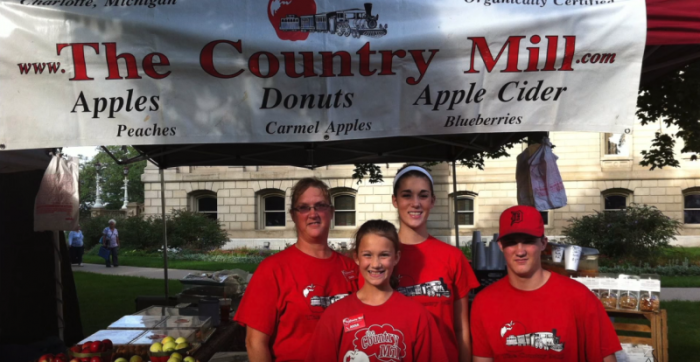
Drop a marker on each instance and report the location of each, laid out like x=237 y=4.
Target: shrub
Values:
x=639 y=232
x=186 y=229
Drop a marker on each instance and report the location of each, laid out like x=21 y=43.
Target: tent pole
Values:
x=454 y=202
x=165 y=233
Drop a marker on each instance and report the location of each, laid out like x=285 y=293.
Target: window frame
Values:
x=693 y=191
x=625 y=193
x=604 y=143
x=547 y=220
x=343 y=191
x=262 y=212
x=195 y=196
x=453 y=205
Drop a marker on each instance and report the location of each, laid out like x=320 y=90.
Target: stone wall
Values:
x=587 y=174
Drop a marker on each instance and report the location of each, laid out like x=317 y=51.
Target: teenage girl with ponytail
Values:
x=431 y=272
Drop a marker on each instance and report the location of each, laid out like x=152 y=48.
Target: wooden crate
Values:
x=656 y=330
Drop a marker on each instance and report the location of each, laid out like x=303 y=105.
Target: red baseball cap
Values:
x=521 y=219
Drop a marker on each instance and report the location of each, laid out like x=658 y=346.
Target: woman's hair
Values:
x=112 y=221
x=302 y=185
x=384 y=229
x=422 y=173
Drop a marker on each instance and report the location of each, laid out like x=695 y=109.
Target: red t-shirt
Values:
x=398 y=330
x=436 y=274
x=562 y=320
x=287 y=295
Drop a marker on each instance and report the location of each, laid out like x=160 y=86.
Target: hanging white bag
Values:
x=547 y=185
x=56 y=206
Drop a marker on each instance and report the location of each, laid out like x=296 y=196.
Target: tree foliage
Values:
x=672 y=99
x=112 y=183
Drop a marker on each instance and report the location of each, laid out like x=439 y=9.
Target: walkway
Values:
x=688 y=294
x=134 y=271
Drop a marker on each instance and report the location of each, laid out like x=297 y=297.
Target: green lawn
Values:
x=680 y=282
x=106 y=298
x=156 y=262
x=683 y=331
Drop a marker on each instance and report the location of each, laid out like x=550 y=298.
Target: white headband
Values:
x=409 y=169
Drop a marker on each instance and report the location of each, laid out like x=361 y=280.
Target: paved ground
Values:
x=133 y=271
x=690 y=294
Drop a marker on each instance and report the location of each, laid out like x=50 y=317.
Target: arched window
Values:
x=204 y=202
x=271 y=205
x=465 y=204
x=615 y=199
x=344 y=202
x=691 y=206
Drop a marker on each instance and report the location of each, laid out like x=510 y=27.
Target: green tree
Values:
x=112 y=183
x=672 y=99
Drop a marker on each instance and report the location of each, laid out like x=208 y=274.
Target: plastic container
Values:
x=629 y=292
x=608 y=290
x=650 y=293
x=142 y=345
x=200 y=325
x=137 y=322
x=118 y=337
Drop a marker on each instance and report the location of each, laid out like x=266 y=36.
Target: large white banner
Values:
x=114 y=72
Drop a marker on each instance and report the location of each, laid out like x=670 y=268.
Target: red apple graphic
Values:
x=278 y=9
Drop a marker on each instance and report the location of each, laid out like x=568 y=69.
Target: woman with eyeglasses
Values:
x=430 y=271
x=290 y=290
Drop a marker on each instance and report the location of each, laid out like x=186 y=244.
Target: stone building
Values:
x=600 y=171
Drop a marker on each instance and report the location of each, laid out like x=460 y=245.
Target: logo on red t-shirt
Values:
x=384 y=343
x=318 y=300
x=436 y=288
x=517 y=338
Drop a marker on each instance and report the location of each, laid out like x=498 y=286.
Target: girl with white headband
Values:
x=431 y=272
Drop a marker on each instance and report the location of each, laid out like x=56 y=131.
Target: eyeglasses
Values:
x=305 y=209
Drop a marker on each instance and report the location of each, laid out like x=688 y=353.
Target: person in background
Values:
x=376 y=324
x=532 y=313
x=290 y=290
x=110 y=241
x=75 y=241
x=432 y=272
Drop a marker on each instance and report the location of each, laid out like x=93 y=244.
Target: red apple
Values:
x=96 y=359
x=278 y=9
x=75 y=359
x=85 y=359
x=86 y=347
x=96 y=347
x=77 y=348
x=46 y=358
x=107 y=345
x=61 y=357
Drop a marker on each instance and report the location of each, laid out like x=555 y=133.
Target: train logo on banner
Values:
x=355 y=22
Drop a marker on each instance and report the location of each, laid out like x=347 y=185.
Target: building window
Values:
x=691 y=209
x=465 y=206
x=344 y=203
x=615 y=199
x=274 y=214
x=616 y=144
x=465 y=210
x=545 y=217
x=204 y=202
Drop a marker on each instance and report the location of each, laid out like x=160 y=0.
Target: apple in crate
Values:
x=107 y=345
x=96 y=359
x=96 y=347
x=61 y=357
x=77 y=348
x=75 y=359
x=47 y=358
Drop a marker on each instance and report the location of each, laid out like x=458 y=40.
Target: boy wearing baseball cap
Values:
x=533 y=314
